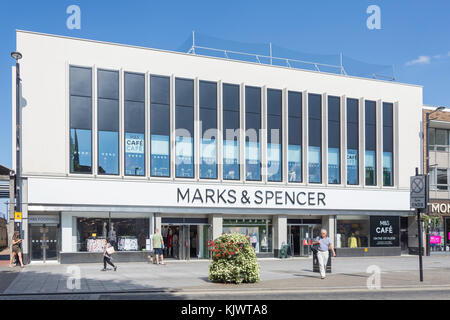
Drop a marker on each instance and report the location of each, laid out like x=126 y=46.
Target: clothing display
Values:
x=95 y=244
x=352 y=242
x=128 y=244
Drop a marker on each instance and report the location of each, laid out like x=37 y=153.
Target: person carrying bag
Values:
x=109 y=250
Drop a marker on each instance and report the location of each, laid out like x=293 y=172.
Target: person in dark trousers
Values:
x=107 y=256
x=15 y=249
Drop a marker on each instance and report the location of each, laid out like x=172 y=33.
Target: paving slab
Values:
x=275 y=273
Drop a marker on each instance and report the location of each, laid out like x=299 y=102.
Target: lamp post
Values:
x=427 y=165
x=18 y=207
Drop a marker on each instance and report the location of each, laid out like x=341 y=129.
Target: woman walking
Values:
x=15 y=249
x=109 y=250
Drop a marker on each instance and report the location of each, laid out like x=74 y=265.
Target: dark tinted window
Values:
x=80 y=81
x=231 y=123
x=108 y=84
x=80 y=119
x=352 y=124
x=371 y=118
x=334 y=127
x=160 y=126
x=134 y=124
x=108 y=121
x=315 y=120
x=274 y=135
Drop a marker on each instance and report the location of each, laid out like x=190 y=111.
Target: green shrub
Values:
x=233 y=260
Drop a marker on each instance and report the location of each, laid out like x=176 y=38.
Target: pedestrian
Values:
x=109 y=250
x=15 y=249
x=158 y=245
x=324 y=245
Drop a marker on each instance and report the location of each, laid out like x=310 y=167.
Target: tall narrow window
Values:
x=134 y=124
x=274 y=135
x=334 y=140
x=352 y=141
x=315 y=138
x=371 y=143
x=208 y=120
x=252 y=134
x=295 y=106
x=231 y=126
x=80 y=120
x=108 y=122
x=184 y=126
x=388 y=144
x=160 y=126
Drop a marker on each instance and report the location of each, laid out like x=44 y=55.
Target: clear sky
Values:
x=414 y=35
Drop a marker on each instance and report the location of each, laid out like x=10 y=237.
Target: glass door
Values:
x=51 y=239
x=294 y=240
x=44 y=242
x=300 y=239
x=36 y=243
x=184 y=243
x=306 y=240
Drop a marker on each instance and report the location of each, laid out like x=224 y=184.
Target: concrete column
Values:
x=157 y=222
x=279 y=233
x=66 y=232
x=329 y=223
x=217 y=225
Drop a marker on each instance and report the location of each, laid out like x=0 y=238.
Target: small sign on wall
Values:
x=384 y=231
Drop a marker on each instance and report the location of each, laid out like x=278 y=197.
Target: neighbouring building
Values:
x=438 y=145
x=120 y=140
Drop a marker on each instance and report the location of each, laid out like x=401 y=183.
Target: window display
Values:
x=124 y=234
x=258 y=230
x=352 y=232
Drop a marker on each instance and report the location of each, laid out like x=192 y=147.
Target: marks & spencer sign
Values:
x=384 y=231
x=230 y=196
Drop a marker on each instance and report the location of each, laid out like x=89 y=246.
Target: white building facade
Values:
x=120 y=140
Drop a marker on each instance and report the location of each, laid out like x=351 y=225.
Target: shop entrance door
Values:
x=189 y=241
x=299 y=238
x=44 y=242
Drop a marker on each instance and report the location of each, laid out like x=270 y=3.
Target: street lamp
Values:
x=427 y=165
x=17 y=56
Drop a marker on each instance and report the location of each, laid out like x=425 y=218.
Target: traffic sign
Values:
x=418 y=192
x=18 y=217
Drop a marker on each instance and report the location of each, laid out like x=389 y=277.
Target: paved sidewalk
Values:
x=290 y=274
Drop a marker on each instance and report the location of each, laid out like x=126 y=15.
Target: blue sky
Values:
x=414 y=35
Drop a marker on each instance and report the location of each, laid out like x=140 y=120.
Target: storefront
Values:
x=439 y=226
x=368 y=235
x=44 y=239
x=199 y=146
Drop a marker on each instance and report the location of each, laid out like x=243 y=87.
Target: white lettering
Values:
x=74 y=20
x=374 y=21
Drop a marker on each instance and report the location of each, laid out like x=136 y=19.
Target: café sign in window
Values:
x=384 y=231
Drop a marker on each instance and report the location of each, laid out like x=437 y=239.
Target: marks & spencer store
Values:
x=120 y=140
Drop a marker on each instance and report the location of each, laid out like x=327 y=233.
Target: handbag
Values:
x=110 y=250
